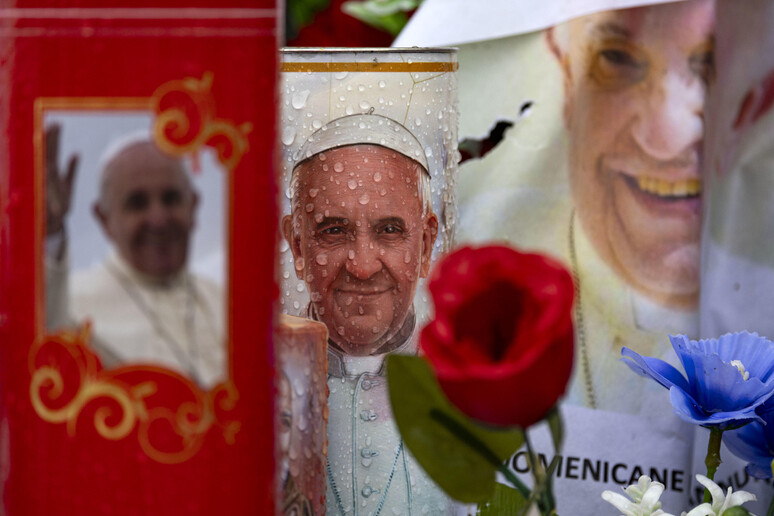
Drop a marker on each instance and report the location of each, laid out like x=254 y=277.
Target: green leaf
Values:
x=506 y=502
x=387 y=15
x=300 y=13
x=460 y=455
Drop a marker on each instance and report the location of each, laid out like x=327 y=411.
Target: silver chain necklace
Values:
x=187 y=359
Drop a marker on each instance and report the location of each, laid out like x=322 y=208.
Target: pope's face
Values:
x=635 y=84
x=147 y=210
x=362 y=243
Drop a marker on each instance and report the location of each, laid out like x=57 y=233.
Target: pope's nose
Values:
x=156 y=214
x=363 y=259
x=671 y=118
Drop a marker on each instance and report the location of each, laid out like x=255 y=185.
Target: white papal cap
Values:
x=366 y=129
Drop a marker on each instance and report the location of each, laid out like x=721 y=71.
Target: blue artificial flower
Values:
x=755 y=443
x=727 y=378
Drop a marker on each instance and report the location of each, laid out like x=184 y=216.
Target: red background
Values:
x=81 y=53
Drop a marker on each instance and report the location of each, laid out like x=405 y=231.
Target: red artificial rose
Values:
x=501 y=343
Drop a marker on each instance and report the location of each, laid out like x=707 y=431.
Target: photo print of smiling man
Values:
x=601 y=169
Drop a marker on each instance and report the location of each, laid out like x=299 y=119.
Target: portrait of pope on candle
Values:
x=361 y=231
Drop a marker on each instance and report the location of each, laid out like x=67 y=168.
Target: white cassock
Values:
x=370 y=471
x=177 y=324
x=609 y=315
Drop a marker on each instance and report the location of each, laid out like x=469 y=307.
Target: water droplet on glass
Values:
x=298 y=100
x=417 y=121
x=286 y=274
x=360 y=87
x=284 y=245
x=377 y=177
x=321 y=259
x=300 y=287
x=340 y=75
x=296 y=305
x=364 y=104
x=351 y=254
x=407 y=258
x=364 y=199
x=352 y=184
x=382 y=84
x=318 y=217
x=310 y=207
x=338 y=167
x=313 y=192
x=288 y=135
x=316 y=124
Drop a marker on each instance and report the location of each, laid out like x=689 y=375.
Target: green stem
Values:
x=770 y=512
x=465 y=436
x=712 y=461
x=544 y=498
x=513 y=479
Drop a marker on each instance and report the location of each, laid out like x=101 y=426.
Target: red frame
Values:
x=91 y=52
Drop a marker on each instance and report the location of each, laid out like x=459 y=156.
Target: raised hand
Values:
x=59 y=185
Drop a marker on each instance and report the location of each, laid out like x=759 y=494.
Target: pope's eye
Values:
x=703 y=65
x=136 y=201
x=333 y=230
x=391 y=229
x=618 y=64
x=618 y=58
x=171 y=197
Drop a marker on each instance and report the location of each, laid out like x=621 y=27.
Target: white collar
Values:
x=341 y=365
x=116 y=261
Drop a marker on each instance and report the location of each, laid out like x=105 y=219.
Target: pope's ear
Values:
x=556 y=39
x=293 y=239
x=102 y=217
x=429 y=235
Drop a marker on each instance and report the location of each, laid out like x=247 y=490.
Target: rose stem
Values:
x=712 y=461
x=544 y=498
x=770 y=512
x=462 y=433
